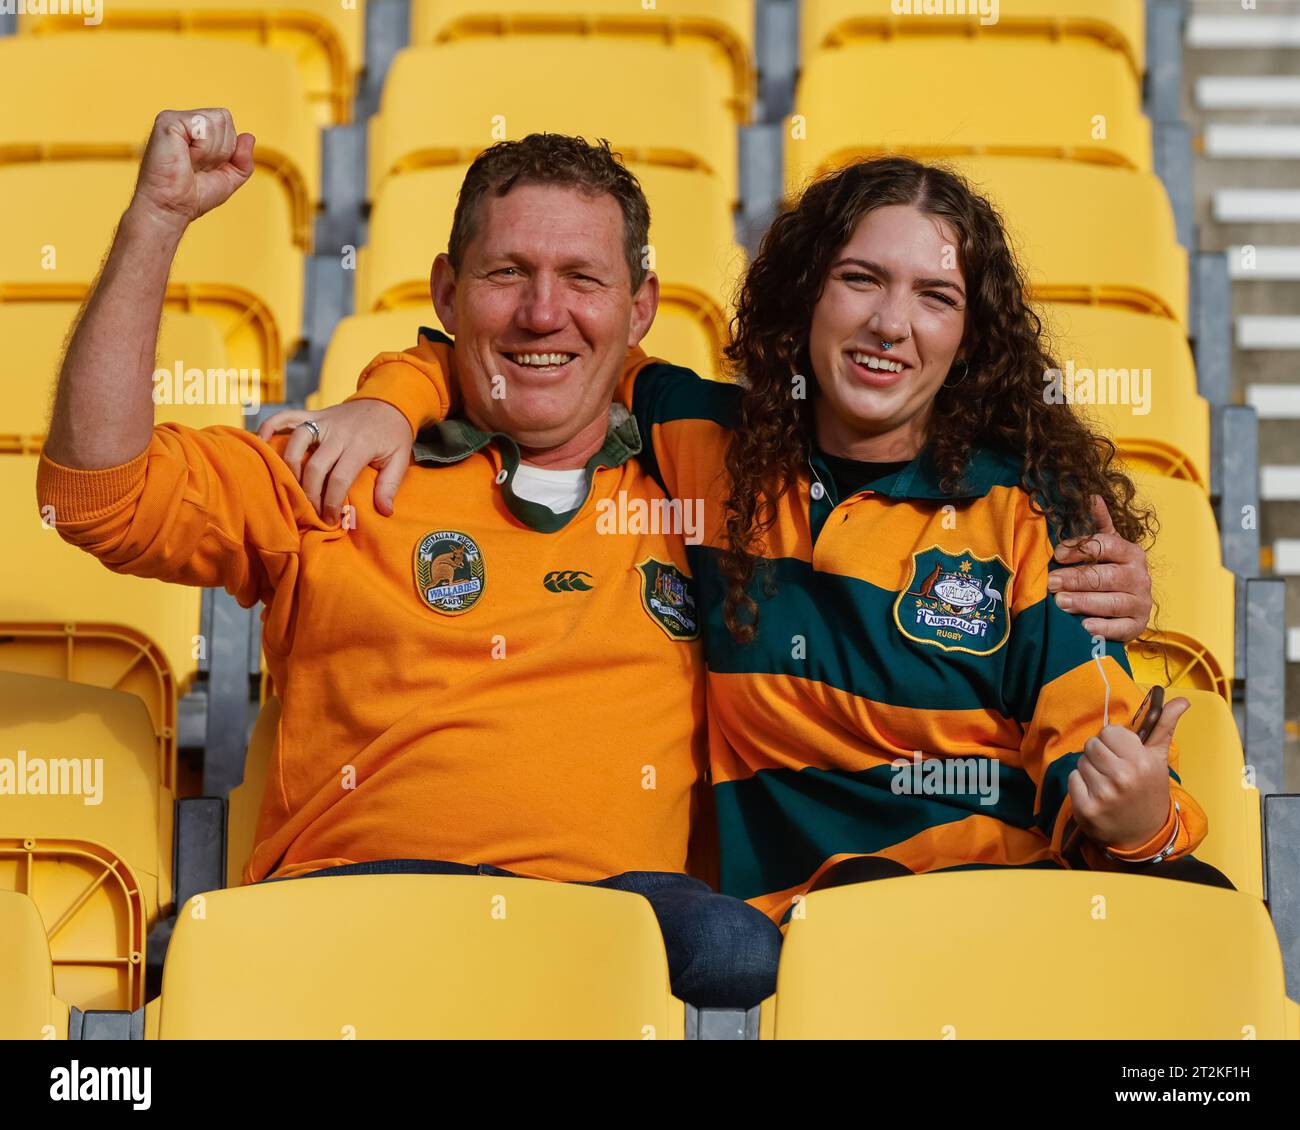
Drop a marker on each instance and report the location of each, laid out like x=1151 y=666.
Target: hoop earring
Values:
x=965 y=371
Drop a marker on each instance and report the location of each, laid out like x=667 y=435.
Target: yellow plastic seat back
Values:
x=1088 y=234
x=85 y=830
x=438 y=110
x=1117 y=24
x=1031 y=955
x=29 y=1010
x=1133 y=376
x=153 y=71
x=995 y=96
x=1211 y=765
x=35 y=334
x=446 y=957
x=65 y=615
x=236 y=266
x=1190 y=643
x=724 y=28
x=321 y=37
x=358 y=339
x=245 y=800
x=680 y=339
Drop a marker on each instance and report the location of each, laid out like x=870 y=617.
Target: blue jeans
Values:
x=722 y=953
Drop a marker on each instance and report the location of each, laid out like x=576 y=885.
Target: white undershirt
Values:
x=558 y=491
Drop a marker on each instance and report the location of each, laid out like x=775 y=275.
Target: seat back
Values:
x=85 y=831
x=1191 y=642
x=29 y=1010
x=321 y=37
x=425 y=957
x=1031 y=955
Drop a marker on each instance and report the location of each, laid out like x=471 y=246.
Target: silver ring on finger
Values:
x=310 y=425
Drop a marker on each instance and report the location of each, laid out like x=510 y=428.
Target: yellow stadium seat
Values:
x=680 y=339
x=236 y=266
x=29 y=1010
x=1211 y=765
x=35 y=334
x=1094 y=956
x=438 y=107
x=725 y=27
x=64 y=615
x=442 y=957
x=1142 y=366
x=1088 y=234
x=1119 y=24
x=322 y=37
x=1073 y=101
x=155 y=71
x=245 y=800
x=358 y=339
x=691 y=238
x=92 y=847
x=1190 y=643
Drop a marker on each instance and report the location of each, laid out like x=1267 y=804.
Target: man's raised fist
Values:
x=193 y=163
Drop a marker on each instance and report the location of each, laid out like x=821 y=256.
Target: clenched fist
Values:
x=1120 y=788
x=193 y=163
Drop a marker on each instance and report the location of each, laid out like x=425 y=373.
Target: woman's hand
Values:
x=353 y=435
x=1110 y=583
x=1120 y=788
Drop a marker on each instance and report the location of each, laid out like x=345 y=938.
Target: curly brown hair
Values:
x=1001 y=405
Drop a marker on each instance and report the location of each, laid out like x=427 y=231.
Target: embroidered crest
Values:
x=666 y=595
x=449 y=573
x=957 y=602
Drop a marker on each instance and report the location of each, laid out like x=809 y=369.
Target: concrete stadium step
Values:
x=1232 y=32
x=1257 y=205
x=1267 y=264
x=1248 y=92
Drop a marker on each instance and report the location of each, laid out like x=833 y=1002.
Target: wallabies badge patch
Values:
x=449 y=572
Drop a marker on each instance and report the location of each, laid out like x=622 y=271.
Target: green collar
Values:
x=454 y=440
x=920 y=478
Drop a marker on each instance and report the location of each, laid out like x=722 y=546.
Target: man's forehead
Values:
x=553 y=221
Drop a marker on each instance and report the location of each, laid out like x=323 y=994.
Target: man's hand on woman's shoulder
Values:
x=352 y=435
x=1108 y=581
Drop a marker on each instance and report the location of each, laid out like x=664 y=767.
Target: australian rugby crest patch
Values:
x=667 y=597
x=957 y=602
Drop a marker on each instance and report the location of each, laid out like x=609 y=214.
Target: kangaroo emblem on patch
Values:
x=957 y=602
x=449 y=573
x=667 y=597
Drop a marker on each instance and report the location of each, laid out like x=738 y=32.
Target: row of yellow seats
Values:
x=62 y=613
x=462 y=957
x=242 y=266
x=99 y=874
x=322 y=38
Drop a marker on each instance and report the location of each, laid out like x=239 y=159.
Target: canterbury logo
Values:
x=566 y=580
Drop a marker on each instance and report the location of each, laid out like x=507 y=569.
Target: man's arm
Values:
x=210 y=507
x=103 y=410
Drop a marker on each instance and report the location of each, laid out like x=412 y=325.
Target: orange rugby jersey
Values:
x=913 y=692
x=473 y=679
